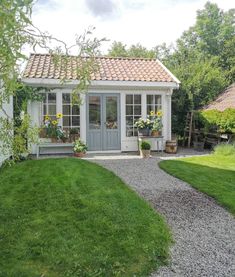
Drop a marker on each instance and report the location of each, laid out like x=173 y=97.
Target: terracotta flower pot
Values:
x=54 y=140
x=155 y=133
x=79 y=154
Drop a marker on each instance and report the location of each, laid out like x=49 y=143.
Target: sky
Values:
x=148 y=22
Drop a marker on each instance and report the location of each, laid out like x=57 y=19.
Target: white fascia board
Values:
x=57 y=83
x=168 y=71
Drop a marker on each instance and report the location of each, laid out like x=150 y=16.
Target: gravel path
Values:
x=204 y=232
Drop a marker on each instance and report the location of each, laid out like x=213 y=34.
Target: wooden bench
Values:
x=51 y=145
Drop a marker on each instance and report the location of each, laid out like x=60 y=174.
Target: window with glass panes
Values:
x=49 y=105
x=71 y=112
x=154 y=103
x=133 y=113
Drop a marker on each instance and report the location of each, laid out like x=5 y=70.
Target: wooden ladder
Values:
x=188 y=128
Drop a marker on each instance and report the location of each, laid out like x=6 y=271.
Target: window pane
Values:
x=66 y=121
x=129 y=99
x=133 y=112
x=66 y=110
x=135 y=119
x=137 y=99
x=75 y=110
x=44 y=97
x=51 y=109
x=150 y=99
x=158 y=108
x=158 y=99
x=135 y=132
x=66 y=98
x=150 y=109
x=129 y=120
x=44 y=109
x=129 y=132
x=129 y=110
x=111 y=112
x=94 y=112
x=137 y=110
x=75 y=121
x=51 y=98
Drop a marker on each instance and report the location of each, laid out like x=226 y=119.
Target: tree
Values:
x=118 y=49
x=17 y=30
x=203 y=60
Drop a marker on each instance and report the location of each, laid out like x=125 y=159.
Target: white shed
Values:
x=120 y=92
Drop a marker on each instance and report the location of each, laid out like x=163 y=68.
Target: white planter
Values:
x=145 y=153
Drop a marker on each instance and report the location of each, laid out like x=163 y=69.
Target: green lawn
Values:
x=213 y=175
x=69 y=217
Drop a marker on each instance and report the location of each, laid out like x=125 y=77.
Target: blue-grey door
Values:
x=103 y=122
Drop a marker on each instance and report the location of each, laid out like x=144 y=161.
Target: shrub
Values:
x=145 y=145
x=225 y=149
x=225 y=121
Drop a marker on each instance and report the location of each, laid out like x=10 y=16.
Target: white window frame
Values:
x=47 y=104
x=157 y=107
x=70 y=115
x=133 y=114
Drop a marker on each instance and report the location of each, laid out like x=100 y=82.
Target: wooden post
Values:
x=190 y=129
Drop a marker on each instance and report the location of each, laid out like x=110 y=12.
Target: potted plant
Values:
x=74 y=134
x=145 y=147
x=156 y=126
x=143 y=126
x=79 y=148
x=52 y=129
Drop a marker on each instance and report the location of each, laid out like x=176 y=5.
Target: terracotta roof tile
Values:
x=224 y=101
x=111 y=69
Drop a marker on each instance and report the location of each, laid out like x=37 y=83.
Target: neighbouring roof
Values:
x=110 y=69
x=224 y=101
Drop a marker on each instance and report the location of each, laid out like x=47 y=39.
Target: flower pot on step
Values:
x=79 y=154
x=145 y=153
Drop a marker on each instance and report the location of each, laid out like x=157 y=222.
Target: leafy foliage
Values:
x=15 y=139
x=224 y=120
x=118 y=49
x=14 y=22
x=225 y=150
x=17 y=31
x=145 y=145
x=203 y=59
x=79 y=146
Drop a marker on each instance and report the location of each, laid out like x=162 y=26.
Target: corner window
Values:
x=71 y=113
x=133 y=113
x=49 y=105
x=154 y=103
